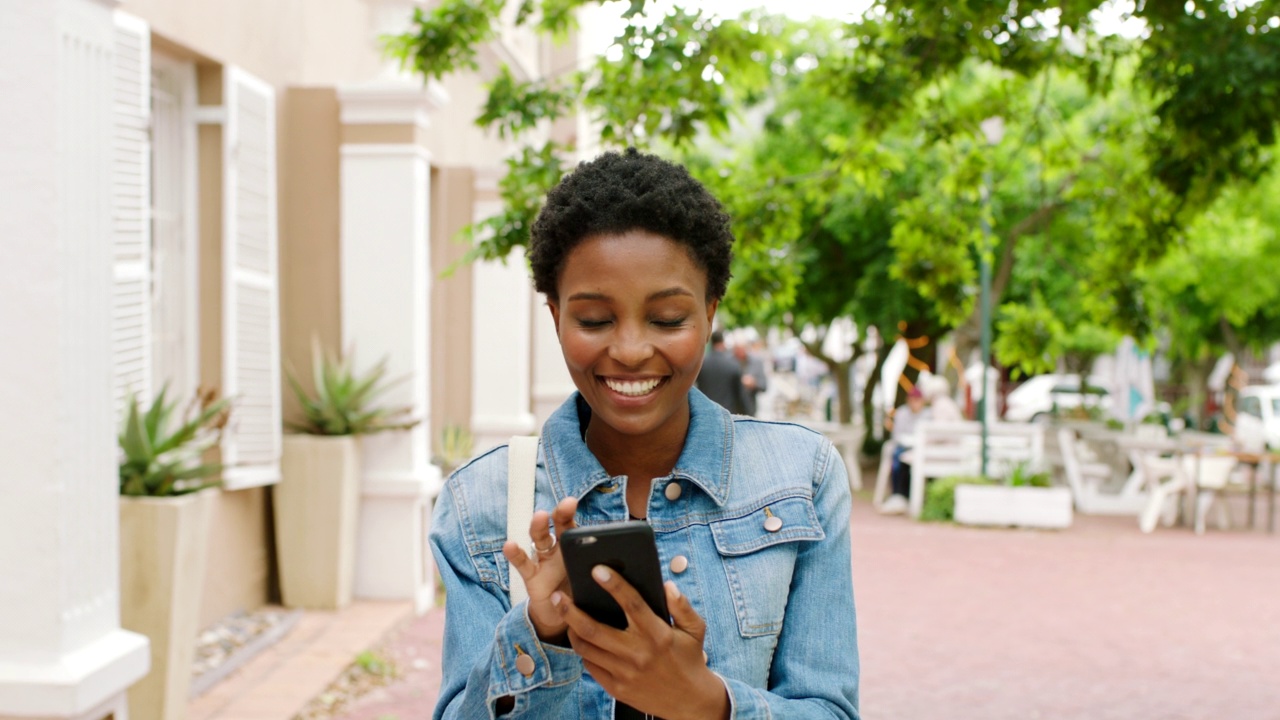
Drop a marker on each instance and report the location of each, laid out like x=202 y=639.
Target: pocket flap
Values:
x=749 y=533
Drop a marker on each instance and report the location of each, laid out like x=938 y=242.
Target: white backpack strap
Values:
x=522 y=462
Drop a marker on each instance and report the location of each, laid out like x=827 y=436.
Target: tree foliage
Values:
x=860 y=182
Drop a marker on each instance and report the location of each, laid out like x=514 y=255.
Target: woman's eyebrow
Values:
x=669 y=292
x=659 y=295
x=587 y=296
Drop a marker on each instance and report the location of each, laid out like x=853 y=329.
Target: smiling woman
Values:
x=751 y=519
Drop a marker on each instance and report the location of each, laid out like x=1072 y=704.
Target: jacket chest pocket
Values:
x=758 y=551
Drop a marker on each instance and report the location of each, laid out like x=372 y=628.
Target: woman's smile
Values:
x=633 y=388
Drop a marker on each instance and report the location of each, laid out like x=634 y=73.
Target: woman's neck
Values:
x=640 y=458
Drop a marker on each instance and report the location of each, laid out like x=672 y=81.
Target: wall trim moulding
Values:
x=385 y=150
x=76 y=682
x=516 y=424
x=391 y=102
x=403 y=485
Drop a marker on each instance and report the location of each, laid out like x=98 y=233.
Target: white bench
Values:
x=945 y=449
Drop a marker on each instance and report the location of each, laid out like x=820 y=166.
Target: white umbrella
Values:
x=1272 y=374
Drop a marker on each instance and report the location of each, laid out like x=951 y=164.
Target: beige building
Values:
x=192 y=192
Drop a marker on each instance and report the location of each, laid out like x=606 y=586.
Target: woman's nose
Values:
x=631 y=347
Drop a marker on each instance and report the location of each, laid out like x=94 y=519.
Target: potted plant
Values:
x=1025 y=499
x=164 y=528
x=456 y=443
x=316 y=502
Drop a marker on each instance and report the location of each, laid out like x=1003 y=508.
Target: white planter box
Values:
x=316 y=506
x=1000 y=505
x=164 y=544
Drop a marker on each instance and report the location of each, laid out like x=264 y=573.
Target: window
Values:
x=1251 y=406
x=174 y=249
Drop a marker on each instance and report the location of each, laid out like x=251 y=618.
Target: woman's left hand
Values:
x=652 y=666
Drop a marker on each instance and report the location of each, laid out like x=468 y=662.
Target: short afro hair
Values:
x=619 y=192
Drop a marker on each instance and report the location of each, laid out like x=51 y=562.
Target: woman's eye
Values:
x=675 y=323
x=592 y=324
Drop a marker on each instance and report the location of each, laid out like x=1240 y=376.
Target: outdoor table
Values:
x=1258 y=460
x=1133 y=446
x=1186 y=488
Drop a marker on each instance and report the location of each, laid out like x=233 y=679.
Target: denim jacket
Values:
x=778 y=604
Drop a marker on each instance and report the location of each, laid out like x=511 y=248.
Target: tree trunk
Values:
x=969 y=335
x=839 y=371
x=868 y=402
x=844 y=388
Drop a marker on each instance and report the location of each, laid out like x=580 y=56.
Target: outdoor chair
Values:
x=1208 y=475
x=1087 y=480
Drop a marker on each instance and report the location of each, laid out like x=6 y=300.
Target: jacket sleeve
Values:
x=815 y=666
x=484 y=636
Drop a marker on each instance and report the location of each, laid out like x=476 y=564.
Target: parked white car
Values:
x=1263 y=402
x=1035 y=399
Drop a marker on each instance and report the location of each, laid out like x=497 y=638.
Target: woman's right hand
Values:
x=544 y=572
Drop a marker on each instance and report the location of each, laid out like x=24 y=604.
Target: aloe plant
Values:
x=161 y=460
x=455 y=447
x=344 y=401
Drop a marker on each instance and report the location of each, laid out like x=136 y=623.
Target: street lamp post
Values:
x=993 y=130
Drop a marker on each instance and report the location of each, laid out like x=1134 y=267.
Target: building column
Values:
x=501 y=336
x=385 y=288
x=552 y=384
x=62 y=652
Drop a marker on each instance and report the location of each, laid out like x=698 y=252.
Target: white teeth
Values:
x=633 y=389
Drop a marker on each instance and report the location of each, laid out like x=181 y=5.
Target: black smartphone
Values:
x=629 y=549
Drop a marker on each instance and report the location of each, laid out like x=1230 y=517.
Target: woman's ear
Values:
x=554 y=307
x=711 y=318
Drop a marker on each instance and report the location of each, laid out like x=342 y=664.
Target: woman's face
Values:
x=633 y=322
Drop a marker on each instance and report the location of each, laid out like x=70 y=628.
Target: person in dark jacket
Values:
x=721 y=377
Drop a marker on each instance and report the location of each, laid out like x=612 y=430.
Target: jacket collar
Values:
x=705 y=461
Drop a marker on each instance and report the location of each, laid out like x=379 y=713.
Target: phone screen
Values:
x=629 y=549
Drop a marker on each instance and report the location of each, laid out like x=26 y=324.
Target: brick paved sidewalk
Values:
x=1095 y=622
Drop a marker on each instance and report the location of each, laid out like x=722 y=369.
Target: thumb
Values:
x=683 y=614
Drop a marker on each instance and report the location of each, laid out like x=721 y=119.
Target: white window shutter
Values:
x=251 y=316
x=130 y=212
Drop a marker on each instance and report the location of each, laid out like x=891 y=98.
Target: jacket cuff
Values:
x=745 y=702
x=522 y=662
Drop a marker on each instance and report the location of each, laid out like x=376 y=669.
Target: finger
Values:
x=639 y=615
x=586 y=627
x=564 y=515
x=683 y=614
x=540 y=529
x=519 y=559
x=600 y=673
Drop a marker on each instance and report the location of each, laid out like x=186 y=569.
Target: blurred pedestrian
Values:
x=721 y=377
x=903 y=426
x=754 y=379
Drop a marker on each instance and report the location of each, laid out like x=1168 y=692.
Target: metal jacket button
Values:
x=772 y=522
x=524 y=663
x=673 y=491
x=679 y=564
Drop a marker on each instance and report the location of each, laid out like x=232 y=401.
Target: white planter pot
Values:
x=1000 y=505
x=164 y=545
x=316 y=507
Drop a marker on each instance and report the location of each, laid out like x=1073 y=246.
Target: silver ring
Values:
x=544 y=552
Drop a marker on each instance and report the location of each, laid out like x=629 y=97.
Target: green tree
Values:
x=1214 y=293
x=1114 y=147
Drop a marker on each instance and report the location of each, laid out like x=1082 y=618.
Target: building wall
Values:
x=452 y=199
x=310 y=135
x=307 y=49
x=284 y=42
